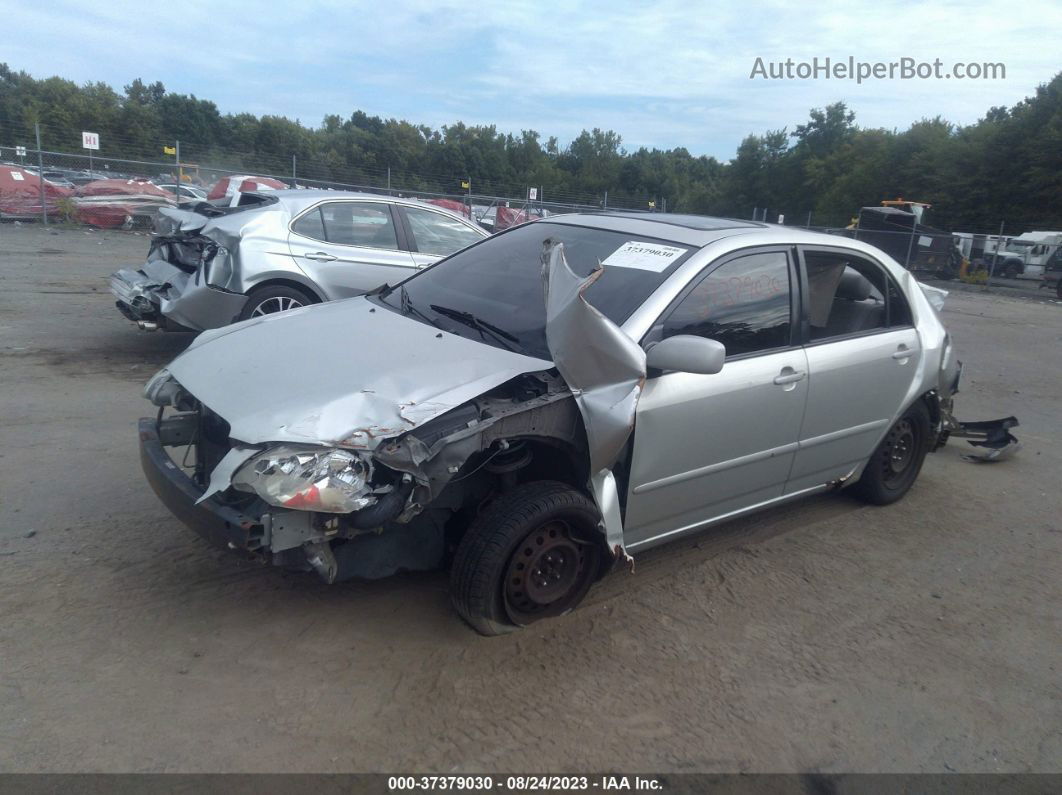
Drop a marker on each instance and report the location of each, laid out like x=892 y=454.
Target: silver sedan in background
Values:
x=210 y=265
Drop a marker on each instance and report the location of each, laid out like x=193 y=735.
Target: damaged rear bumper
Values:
x=992 y=438
x=134 y=292
x=174 y=300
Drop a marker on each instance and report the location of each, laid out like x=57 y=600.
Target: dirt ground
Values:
x=826 y=636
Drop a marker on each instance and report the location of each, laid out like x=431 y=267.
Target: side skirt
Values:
x=670 y=535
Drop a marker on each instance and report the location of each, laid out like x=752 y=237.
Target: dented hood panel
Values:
x=346 y=373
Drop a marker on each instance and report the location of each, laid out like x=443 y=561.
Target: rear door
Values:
x=434 y=235
x=350 y=247
x=863 y=355
x=709 y=445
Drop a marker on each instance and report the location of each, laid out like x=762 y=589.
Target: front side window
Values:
x=435 y=233
x=366 y=224
x=743 y=303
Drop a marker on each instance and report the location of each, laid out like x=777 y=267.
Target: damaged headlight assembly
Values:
x=308 y=479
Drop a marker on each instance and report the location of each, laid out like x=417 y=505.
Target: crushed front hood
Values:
x=346 y=373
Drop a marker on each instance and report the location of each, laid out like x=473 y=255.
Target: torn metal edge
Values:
x=605 y=370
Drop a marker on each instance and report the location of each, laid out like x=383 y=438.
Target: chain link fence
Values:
x=93 y=188
x=56 y=186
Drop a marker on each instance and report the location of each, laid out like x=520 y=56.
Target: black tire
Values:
x=894 y=466
x=532 y=543
x=1011 y=271
x=1058 y=288
x=276 y=298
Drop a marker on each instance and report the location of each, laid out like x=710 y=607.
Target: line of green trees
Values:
x=1007 y=166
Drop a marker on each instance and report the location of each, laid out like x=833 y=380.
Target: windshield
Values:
x=492 y=291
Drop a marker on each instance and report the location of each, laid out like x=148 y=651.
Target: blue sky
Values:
x=665 y=73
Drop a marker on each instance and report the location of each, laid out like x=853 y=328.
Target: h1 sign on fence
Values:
x=20 y=151
x=90 y=140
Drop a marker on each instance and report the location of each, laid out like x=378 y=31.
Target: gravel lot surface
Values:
x=825 y=636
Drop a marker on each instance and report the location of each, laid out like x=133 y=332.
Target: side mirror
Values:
x=687 y=354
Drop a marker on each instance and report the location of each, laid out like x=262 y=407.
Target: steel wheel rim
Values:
x=548 y=573
x=278 y=303
x=900 y=447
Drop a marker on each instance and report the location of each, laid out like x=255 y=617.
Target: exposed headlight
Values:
x=308 y=479
x=163 y=390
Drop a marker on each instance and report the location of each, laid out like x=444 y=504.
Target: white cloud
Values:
x=668 y=73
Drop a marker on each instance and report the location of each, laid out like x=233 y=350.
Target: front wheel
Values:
x=895 y=464
x=270 y=300
x=531 y=554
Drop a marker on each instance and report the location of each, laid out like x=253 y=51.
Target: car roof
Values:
x=298 y=199
x=702 y=230
x=690 y=230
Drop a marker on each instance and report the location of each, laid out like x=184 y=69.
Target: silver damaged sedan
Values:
x=537 y=408
x=211 y=265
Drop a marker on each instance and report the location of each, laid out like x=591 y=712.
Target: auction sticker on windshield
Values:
x=644 y=256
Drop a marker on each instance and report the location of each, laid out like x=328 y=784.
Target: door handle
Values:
x=789 y=378
x=902 y=353
x=320 y=256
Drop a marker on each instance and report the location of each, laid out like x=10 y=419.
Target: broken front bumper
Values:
x=222 y=526
x=291 y=539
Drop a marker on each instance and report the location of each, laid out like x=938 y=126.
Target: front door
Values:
x=709 y=445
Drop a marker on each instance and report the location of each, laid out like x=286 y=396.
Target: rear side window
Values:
x=850 y=295
x=744 y=304
x=359 y=224
x=310 y=225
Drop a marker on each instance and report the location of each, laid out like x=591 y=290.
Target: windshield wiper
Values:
x=468 y=319
x=407 y=308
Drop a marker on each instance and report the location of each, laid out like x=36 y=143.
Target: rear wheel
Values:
x=894 y=466
x=1058 y=287
x=530 y=555
x=270 y=300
